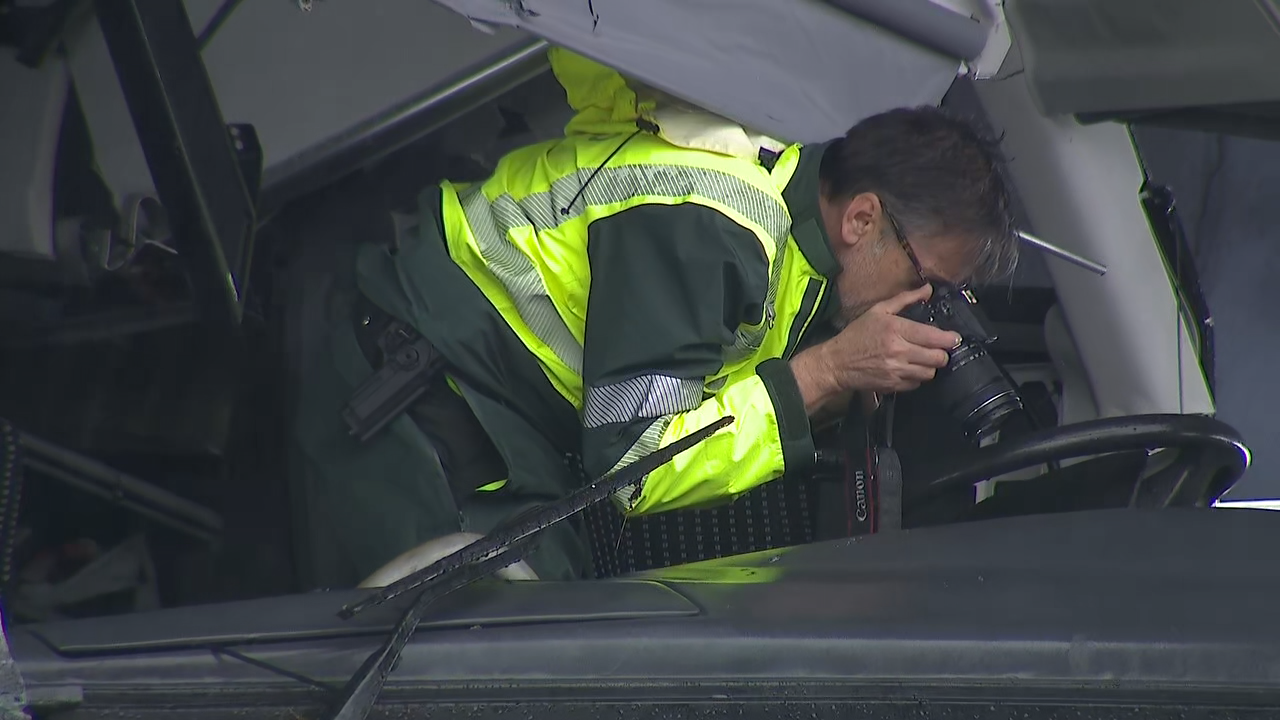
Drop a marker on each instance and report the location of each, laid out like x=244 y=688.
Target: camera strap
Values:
x=872 y=482
x=888 y=473
x=859 y=482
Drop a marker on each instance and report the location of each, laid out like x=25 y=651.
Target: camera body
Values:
x=972 y=388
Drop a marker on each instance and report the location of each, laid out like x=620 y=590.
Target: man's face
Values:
x=878 y=261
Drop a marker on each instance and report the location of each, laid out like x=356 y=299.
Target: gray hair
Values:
x=938 y=173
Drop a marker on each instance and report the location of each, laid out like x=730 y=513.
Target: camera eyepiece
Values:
x=972 y=388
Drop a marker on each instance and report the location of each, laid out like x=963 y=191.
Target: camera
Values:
x=972 y=388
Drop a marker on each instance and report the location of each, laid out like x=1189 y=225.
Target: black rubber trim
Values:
x=311 y=616
x=1131 y=432
x=788 y=406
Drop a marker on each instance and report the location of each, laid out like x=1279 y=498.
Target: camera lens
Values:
x=972 y=390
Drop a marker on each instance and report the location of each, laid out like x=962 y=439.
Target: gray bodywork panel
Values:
x=800 y=71
x=1107 y=601
x=309 y=83
x=1105 y=56
x=316 y=85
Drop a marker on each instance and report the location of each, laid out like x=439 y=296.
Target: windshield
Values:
x=1213 y=182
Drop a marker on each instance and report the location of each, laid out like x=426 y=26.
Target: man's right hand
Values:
x=879 y=352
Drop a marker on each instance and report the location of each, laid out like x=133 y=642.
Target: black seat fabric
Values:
x=776 y=514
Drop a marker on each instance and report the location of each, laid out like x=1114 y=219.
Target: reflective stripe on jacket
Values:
x=646 y=260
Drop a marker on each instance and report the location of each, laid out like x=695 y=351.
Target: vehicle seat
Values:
x=1078 y=403
x=777 y=514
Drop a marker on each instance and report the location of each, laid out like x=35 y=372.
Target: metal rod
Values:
x=186 y=144
x=1067 y=255
x=124 y=484
x=89 y=487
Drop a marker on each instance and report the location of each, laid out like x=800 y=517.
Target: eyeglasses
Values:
x=906 y=246
x=962 y=288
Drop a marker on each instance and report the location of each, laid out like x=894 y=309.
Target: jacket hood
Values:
x=606 y=103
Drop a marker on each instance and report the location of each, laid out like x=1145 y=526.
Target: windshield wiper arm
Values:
x=502 y=547
x=361 y=691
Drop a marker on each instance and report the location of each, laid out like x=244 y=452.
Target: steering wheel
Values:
x=1215 y=455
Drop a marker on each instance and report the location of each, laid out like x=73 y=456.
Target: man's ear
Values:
x=861 y=220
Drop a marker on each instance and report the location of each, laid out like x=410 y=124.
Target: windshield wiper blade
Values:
x=502 y=547
x=539 y=520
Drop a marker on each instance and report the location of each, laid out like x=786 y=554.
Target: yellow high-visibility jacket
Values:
x=610 y=291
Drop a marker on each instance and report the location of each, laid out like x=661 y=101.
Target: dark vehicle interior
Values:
x=111 y=370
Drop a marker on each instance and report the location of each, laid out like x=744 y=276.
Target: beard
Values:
x=850 y=312
x=853 y=304
x=855 y=284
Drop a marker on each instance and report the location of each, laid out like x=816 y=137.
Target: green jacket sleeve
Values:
x=670 y=285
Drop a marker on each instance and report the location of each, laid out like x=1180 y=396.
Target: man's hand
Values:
x=878 y=352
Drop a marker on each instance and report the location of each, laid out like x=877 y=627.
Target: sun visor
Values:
x=801 y=71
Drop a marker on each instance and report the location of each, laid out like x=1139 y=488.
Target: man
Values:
x=656 y=269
